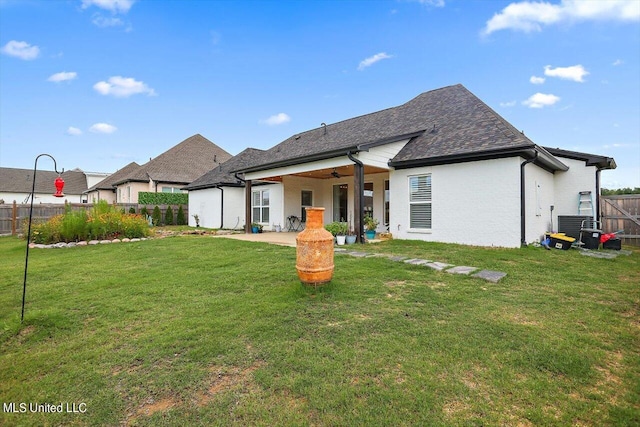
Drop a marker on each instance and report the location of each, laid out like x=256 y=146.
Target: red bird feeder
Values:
x=59 y=183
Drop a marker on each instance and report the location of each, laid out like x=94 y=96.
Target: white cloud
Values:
x=122 y=87
x=102 y=22
x=102 y=128
x=73 y=131
x=529 y=16
x=575 y=72
x=63 y=76
x=277 y=119
x=508 y=104
x=372 y=60
x=540 y=100
x=537 y=80
x=434 y=3
x=114 y=6
x=22 y=50
x=617 y=62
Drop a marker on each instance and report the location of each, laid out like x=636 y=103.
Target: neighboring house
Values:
x=442 y=167
x=168 y=172
x=218 y=197
x=16 y=185
x=105 y=189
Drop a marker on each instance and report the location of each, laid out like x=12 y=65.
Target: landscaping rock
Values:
x=82 y=243
x=116 y=241
x=105 y=242
x=126 y=240
x=94 y=242
x=60 y=245
x=135 y=240
x=72 y=244
x=32 y=245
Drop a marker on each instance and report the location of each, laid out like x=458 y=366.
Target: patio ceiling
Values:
x=328 y=173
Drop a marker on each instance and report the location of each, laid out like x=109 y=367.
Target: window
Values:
x=340 y=193
x=367 y=199
x=306 y=201
x=171 y=190
x=260 y=206
x=420 y=202
x=386 y=202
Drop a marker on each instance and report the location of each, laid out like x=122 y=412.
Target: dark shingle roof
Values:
x=183 y=163
x=223 y=174
x=119 y=175
x=442 y=122
x=21 y=180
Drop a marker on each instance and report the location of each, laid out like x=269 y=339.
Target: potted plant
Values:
x=351 y=235
x=370 y=224
x=341 y=234
x=197 y=218
x=256 y=228
x=338 y=230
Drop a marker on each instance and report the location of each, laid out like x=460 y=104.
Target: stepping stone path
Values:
x=488 y=275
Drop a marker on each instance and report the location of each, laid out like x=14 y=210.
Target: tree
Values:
x=156 y=217
x=168 y=216
x=180 y=220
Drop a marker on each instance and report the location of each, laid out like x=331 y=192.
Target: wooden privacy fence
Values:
x=13 y=215
x=622 y=213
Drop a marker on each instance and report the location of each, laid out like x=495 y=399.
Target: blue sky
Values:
x=101 y=83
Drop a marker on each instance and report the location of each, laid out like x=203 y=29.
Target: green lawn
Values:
x=196 y=330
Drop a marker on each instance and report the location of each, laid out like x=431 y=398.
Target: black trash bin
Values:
x=590 y=237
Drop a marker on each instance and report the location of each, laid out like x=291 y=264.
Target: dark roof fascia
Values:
x=122 y=181
x=527 y=151
x=524 y=151
x=601 y=162
x=161 y=181
x=332 y=153
x=92 y=189
x=216 y=185
x=300 y=160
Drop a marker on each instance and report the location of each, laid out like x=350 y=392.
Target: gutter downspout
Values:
x=597 y=216
x=221 y=205
x=247 y=203
x=358 y=179
x=523 y=240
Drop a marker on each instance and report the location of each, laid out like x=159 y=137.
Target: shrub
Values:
x=132 y=210
x=180 y=219
x=74 y=226
x=168 y=216
x=103 y=221
x=148 y=198
x=144 y=212
x=156 y=216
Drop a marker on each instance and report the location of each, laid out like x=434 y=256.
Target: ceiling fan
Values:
x=335 y=174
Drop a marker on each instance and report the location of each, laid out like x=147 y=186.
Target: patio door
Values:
x=340 y=197
x=306 y=200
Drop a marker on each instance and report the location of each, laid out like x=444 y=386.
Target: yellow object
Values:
x=563 y=237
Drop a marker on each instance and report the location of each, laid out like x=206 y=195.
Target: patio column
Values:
x=358 y=194
x=247 y=206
